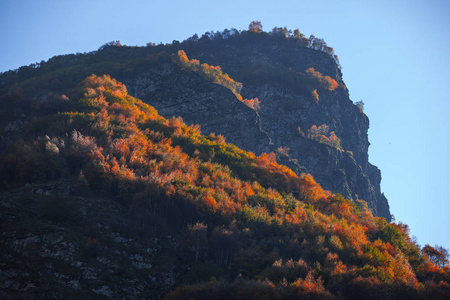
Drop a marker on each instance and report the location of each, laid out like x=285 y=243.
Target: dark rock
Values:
x=198 y=101
x=284 y=108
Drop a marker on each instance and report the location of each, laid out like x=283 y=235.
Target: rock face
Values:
x=267 y=67
x=270 y=69
x=176 y=93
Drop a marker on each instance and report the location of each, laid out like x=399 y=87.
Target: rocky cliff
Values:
x=216 y=109
x=269 y=69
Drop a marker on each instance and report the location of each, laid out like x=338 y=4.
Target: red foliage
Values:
x=310 y=286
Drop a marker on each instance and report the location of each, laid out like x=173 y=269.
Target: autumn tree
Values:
x=329 y=83
x=315 y=96
x=297 y=34
x=326 y=82
x=255 y=26
x=110 y=44
x=323 y=135
x=437 y=254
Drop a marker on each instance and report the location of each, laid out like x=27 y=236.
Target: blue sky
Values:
x=394 y=56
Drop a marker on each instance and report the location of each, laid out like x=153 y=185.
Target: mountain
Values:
x=103 y=195
x=274 y=70
x=271 y=68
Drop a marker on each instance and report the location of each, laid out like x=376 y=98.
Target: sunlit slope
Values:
x=244 y=226
x=297 y=101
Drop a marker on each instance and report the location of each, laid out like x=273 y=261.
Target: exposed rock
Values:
x=284 y=108
x=198 y=101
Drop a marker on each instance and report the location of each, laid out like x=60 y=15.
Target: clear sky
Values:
x=394 y=56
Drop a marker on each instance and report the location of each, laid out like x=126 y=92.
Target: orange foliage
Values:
x=327 y=82
x=173 y=168
x=311 y=190
x=300 y=131
x=208 y=201
x=253 y=103
x=313 y=73
x=215 y=74
x=309 y=285
x=322 y=135
x=315 y=96
x=330 y=83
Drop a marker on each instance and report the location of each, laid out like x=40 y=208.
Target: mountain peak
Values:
x=230 y=166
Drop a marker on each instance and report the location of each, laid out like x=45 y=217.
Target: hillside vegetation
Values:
x=245 y=227
x=289 y=81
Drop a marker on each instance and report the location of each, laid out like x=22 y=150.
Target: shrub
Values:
x=322 y=135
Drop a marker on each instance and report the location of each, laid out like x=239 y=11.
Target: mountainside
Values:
x=270 y=70
x=282 y=73
x=103 y=195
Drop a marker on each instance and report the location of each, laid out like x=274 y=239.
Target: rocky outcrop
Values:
x=346 y=171
x=216 y=109
x=267 y=68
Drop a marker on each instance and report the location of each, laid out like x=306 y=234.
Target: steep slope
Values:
x=286 y=105
x=115 y=201
x=272 y=67
x=198 y=101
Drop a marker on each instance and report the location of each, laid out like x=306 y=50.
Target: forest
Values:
x=249 y=227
